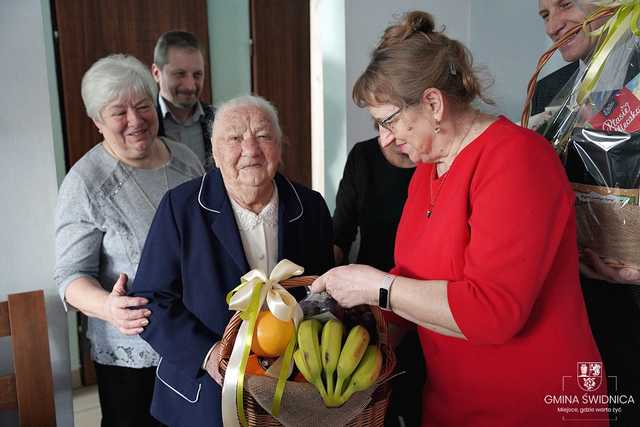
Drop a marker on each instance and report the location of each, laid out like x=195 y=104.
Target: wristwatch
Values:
x=384 y=293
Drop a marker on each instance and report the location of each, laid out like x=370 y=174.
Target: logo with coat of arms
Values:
x=589 y=375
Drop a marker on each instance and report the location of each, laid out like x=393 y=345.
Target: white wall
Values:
x=328 y=95
x=504 y=36
x=30 y=168
x=346 y=32
x=366 y=21
x=507 y=38
x=229 y=48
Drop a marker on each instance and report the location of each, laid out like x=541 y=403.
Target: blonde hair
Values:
x=411 y=57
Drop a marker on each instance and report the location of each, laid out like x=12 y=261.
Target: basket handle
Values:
x=231 y=331
x=298 y=281
x=544 y=58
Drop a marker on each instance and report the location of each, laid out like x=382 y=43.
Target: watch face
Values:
x=383 y=298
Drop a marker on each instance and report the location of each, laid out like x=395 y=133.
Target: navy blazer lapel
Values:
x=213 y=198
x=281 y=227
x=289 y=210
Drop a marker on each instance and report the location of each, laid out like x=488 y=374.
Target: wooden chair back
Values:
x=29 y=390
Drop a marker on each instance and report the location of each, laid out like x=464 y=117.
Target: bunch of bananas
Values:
x=336 y=370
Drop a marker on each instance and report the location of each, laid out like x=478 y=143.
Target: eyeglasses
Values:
x=387 y=122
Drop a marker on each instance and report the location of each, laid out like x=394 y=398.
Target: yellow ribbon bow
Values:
x=254 y=291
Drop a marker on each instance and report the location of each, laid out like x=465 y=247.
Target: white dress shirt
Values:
x=259 y=233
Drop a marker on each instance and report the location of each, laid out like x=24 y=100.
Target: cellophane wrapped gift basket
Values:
x=596 y=131
x=282 y=366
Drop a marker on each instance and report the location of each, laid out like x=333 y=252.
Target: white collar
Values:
x=203 y=199
x=248 y=220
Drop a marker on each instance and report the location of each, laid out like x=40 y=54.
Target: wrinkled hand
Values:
x=351 y=285
x=595 y=268
x=128 y=321
x=213 y=362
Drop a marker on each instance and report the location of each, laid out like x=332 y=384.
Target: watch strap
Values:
x=384 y=292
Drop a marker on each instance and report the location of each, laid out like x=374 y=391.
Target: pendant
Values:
x=429 y=213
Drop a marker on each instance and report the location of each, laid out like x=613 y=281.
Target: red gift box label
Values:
x=621 y=113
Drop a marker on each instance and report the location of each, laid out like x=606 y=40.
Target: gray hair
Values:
x=252 y=101
x=173 y=39
x=113 y=76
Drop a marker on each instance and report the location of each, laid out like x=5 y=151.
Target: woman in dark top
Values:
x=370 y=199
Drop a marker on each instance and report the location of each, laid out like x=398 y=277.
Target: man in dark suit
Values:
x=560 y=16
x=550 y=86
x=178 y=68
x=208 y=233
x=614 y=310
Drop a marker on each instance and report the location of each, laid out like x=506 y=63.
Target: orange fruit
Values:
x=271 y=335
x=254 y=367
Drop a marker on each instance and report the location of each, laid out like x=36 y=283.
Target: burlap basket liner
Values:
x=610 y=229
x=301 y=403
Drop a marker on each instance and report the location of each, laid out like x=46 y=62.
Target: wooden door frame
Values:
x=281 y=72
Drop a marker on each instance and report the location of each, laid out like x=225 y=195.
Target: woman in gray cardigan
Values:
x=105 y=208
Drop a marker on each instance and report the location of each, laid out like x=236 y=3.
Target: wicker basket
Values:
x=373 y=414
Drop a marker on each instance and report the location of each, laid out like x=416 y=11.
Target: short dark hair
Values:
x=177 y=39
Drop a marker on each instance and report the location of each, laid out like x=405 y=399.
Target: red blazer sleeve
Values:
x=520 y=207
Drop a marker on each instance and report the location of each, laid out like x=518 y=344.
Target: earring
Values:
x=436 y=129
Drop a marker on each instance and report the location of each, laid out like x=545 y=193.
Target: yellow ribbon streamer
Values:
x=285 y=371
x=254 y=291
x=625 y=19
x=254 y=308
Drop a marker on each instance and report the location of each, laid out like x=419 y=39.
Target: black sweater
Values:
x=371 y=197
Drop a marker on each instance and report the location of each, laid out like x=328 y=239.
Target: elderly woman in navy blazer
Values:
x=206 y=234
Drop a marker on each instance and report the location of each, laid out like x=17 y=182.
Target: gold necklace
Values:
x=433 y=200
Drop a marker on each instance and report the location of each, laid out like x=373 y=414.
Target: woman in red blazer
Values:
x=486 y=263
